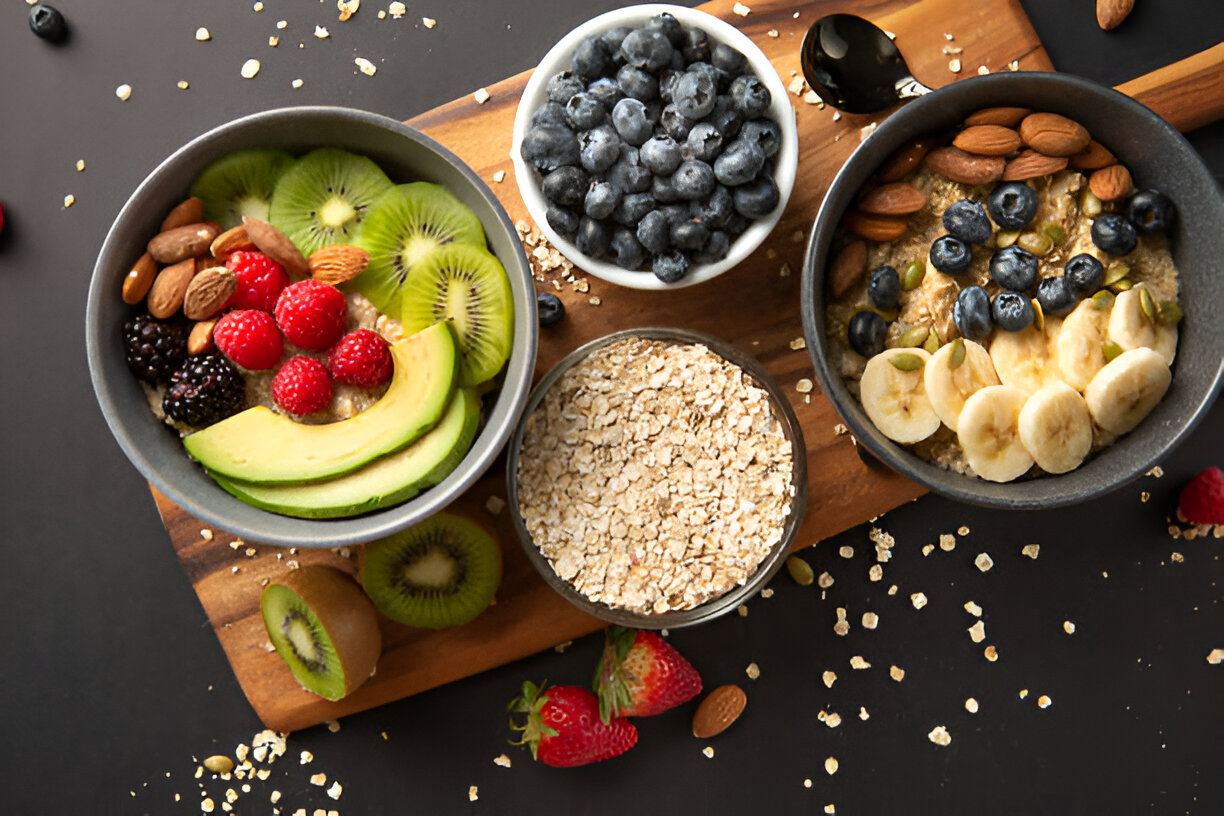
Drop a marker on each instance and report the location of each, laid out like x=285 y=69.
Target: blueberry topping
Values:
x=765 y=132
x=601 y=200
x=630 y=120
x=884 y=288
x=591 y=58
x=866 y=333
x=1150 y=211
x=950 y=255
x=1084 y=272
x=971 y=314
x=663 y=190
x=715 y=210
x=550 y=113
x=646 y=48
x=967 y=221
x=562 y=86
x=613 y=38
x=756 y=199
x=704 y=142
x=660 y=155
x=670 y=267
x=1014 y=268
x=549 y=308
x=715 y=249
x=669 y=26
x=584 y=111
x=727 y=59
x=693 y=180
x=633 y=208
x=593 y=237
x=750 y=96
x=695 y=45
x=694 y=94
x=629 y=175
x=653 y=232
x=563 y=220
x=739 y=163
x=627 y=249
x=1012 y=205
x=566 y=186
x=598 y=149
x=1012 y=311
x=47 y=22
x=1112 y=233
x=607 y=91
x=674 y=123
x=547 y=147
x=637 y=83
x=1057 y=295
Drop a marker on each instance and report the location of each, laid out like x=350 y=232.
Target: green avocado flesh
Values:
x=260 y=446
x=384 y=482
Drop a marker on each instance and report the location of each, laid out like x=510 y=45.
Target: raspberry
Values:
x=207 y=389
x=302 y=386
x=360 y=358
x=155 y=349
x=260 y=281
x=311 y=314
x=1202 y=499
x=249 y=338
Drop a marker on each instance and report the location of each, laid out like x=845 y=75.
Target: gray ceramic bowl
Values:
x=1157 y=157
x=768 y=568
x=406 y=155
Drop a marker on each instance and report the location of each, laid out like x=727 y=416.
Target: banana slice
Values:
x=896 y=399
x=1079 y=345
x=1127 y=389
x=990 y=436
x=948 y=387
x=1023 y=359
x=1056 y=428
x=1130 y=328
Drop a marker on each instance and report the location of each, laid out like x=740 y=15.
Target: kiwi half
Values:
x=322 y=198
x=240 y=183
x=404 y=227
x=324 y=628
x=468 y=286
x=437 y=574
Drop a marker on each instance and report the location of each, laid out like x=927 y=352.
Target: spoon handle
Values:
x=1187 y=94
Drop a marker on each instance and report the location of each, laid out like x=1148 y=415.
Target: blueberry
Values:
x=628 y=251
x=1084 y=272
x=630 y=176
x=950 y=255
x=739 y=163
x=674 y=123
x=866 y=333
x=549 y=308
x=715 y=249
x=765 y=132
x=1150 y=211
x=694 y=180
x=694 y=94
x=591 y=59
x=706 y=69
x=613 y=38
x=637 y=83
x=1012 y=311
x=669 y=26
x=584 y=111
x=884 y=288
x=607 y=90
x=653 y=232
x=1112 y=233
x=736 y=225
x=667 y=83
x=593 y=238
x=676 y=212
x=695 y=45
x=547 y=147
x=704 y=142
x=750 y=96
x=1057 y=295
x=601 y=200
x=971 y=314
x=629 y=119
x=599 y=149
x=562 y=86
x=967 y=221
x=689 y=235
x=726 y=118
x=671 y=266
x=1014 y=268
x=660 y=155
x=632 y=208
x=566 y=186
x=664 y=191
x=1012 y=205
x=550 y=113
x=757 y=198
x=563 y=220
x=715 y=210
x=47 y=22
x=727 y=59
x=647 y=48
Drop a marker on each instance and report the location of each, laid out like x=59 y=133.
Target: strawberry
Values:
x=312 y=314
x=640 y=675
x=249 y=337
x=302 y=386
x=1202 y=499
x=563 y=727
x=360 y=358
x=260 y=280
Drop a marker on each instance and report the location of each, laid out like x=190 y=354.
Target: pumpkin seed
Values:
x=1054 y=231
x=1005 y=238
x=1036 y=242
x=932 y=343
x=1169 y=313
x=1104 y=300
x=957 y=355
x=913 y=337
x=219 y=764
x=800 y=570
x=1090 y=205
x=913 y=274
x=1148 y=305
x=1122 y=285
x=1038 y=315
x=889 y=315
x=906 y=362
x=1115 y=272
x=1111 y=350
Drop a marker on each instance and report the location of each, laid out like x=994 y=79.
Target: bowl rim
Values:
x=765 y=571
x=284 y=530
x=785 y=166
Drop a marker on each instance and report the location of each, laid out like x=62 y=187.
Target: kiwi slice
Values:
x=323 y=196
x=324 y=628
x=240 y=183
x=404 y=228
x=469 y=287
x=439 y=573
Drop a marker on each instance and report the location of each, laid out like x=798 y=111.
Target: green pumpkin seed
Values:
x=1038 y=315
x=1036 y=242
x=913 y=337
x=1169 y=313
x=913 y=274
x=957 y=355
x=1122 y=285
x=932 y=343
x=1104 y=300
x=1111 y=350
x=1090 y=205
x=889 y=315
x=1005 y=238
x=219 y=764
x=1054 y=231
x=1115 y=272
x=906 y=362
x=800 y=570
x=1148 y=306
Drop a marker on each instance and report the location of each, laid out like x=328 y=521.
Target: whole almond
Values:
x=1093 y=157
x=1111 y=13
x=208 y=292
x=276 y=245
x=1110 y=183
x=987 y=140
x=897 y=198
x=200 y=339
x=166 y=294
x=186 y=212
x=187 y=241
x=956 y=165
x=233 y=240
x=338 y=263
x=847 y=268
x=137 y=282
x=1031 y=164
x=718 y=710
x=1006 y=117
x=904 y=159
x=882 y=228
x=1053 y=135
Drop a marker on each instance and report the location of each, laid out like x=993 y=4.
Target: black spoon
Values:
x=855 y=66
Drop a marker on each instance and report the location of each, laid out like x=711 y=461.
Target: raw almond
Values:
x=718 y=710
x=1006 y=117
x=904 y=159
x=1053 y=135
x=208 y=292
x=166 y=294
x=276 y=245
x=187 y=241
x=987 y=140
x=847 y=268
x=1111 y=13
x=338 y=263
x=1110 y=183
x=200 y=339
x=137 y=282
x=897 y=198
x=1093 y=157
x=1031 y=164
x=190 y=211
x=956 y=165
x=233 y=240
x=881 y=228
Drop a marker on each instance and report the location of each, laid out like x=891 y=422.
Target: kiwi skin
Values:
x=343 y=612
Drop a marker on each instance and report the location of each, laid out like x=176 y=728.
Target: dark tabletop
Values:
x=113 y=684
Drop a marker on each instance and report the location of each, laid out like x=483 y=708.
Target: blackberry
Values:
x=207 y=389
x=154 y=348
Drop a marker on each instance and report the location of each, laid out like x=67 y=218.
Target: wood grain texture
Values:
x=1188 y=94
x=755 y=306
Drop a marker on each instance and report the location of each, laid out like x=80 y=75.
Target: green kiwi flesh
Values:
x=324 y=627
x=323 y=196
x=468 y=286
x=240 y=183
x=403 y=229
x=440 y=573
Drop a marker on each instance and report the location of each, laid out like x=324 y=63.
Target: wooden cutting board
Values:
x=755 y=306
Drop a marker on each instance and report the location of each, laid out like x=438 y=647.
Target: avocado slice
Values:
x=258 y=445
x=389 y=480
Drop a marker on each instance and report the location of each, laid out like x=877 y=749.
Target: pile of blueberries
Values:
x=655 y=148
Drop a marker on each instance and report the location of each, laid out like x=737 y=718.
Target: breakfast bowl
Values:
x=601 y=106
x=402 y=159
x=658 y=477
x=1143 y=153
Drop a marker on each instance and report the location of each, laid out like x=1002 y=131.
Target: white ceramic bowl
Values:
x=558 y=58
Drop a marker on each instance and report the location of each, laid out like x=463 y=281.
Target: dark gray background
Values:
x=112 y=680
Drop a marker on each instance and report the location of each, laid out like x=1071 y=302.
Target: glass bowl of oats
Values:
x=658 y=477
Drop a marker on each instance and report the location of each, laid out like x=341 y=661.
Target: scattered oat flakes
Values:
x=1215 y=657
x=842 y=627
x=846 y=551
x=742 y=610
x=741 y=9
x=365 y=66
x=870 y=620
x=1014 y=65
x=928 y=549
x=857 y=662
x=297 y=83
x=940 y=736
x=892 y=590
x=875 y=572
x=830 y=809
x=773 y=32
x=824 y=581
x=767 y=593
x=840 y=430
x=836 y=116
x=897 y=673
x=306 y=758
x=708 y=751
x=282 y=24
x=428 y=22
x=182 y=85
x=947 y=542
x=973 y=609
x=977 y=632
x=1069 y=627
x=832 y=720
x=473 y=793
x=807 y=783
x=258 y=7
x=499 y=176
x=831 y=765
x=813 y=98
x=983 y=70
x=69 y=200
x=863 y=715
x=202 y=34
x=983 y=562
x=954 y=65
x=830 y=678
x=321 y=32
x=594 y=300
x=1044 y=701
x=319 y=779
x=123 y=91
x=397 y=9
x=796 y=86
x=1177 y=557
x=208 y=805
x=804 y=386
x=753 y=671
x=347 y=8
x=919 y=600
x=1157 y=471
x=991 y=653
x=1031 y=550
x=250 y=68
x=971 y=705
x=481 y=96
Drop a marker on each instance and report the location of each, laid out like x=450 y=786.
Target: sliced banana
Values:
x=1130 y=328
x=948 y=386
x=895 y=399
x=989 y=433
x=1056 y=428
x=1127 y=389
x=1079 y=345
x=1024 y=359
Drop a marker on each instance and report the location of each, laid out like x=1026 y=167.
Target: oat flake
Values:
x=123 y=92
x=250 y=68
x=940 y=736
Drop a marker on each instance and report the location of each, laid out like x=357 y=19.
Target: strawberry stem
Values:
x=610 y=682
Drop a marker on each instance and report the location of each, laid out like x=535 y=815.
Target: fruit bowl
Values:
x=157 y=452
x=1157 y=157
x=780 y=111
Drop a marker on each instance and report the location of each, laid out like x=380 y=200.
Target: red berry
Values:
x=563 y=728
x=260 y=280
x=250 y=338
x=302 y=386
x=360 y=358
x=640 y=674
x=312 y=314
x=1202 y=499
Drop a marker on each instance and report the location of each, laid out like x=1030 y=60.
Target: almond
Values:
x=190 y=211
x=904 y=159
x=338 y=263
x=137 y=282
x=718 y=710
x=987 y=140
x=1110 y=183
x=881 y=228
x=847 y=268
x=898 y=198
x=956 y=165
x=233 y=240
x=166 y=294
x=1006 y=117
x=276 y=245
x=1111 y=13
x=1053 y=135
x=1031 y=164
x=208 y=292
x=1093 y=157
x=200 y=339
x=179 y=243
